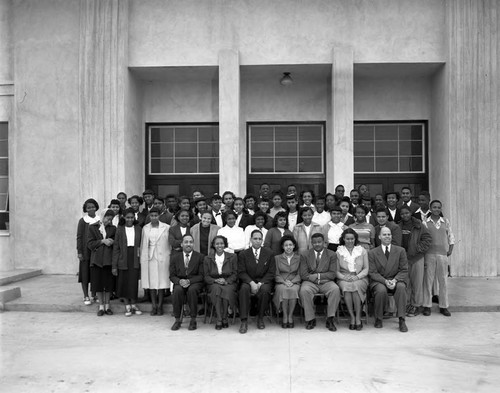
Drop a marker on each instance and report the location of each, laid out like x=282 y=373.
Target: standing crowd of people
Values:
x=279 y=247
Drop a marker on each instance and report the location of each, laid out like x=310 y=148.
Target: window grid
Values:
x=399 y=156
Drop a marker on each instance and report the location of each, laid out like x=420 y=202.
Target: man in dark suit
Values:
x=256 y=271
x=186 y=273
x=318 y=269
x=383 y=221
x=392 y=200
x=388 y=274
x=165 y=215
x=406 y=200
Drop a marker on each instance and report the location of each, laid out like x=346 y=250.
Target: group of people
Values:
x=280 y=247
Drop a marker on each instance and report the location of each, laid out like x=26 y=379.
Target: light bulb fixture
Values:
x=286 y=79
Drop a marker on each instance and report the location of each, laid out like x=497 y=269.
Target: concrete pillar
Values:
x=103 y=76
x=339 y=141
x=232 y=162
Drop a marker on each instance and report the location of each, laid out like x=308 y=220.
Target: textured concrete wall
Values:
x=192 y=32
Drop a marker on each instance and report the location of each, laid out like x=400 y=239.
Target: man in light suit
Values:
x=256 y=271
x=388 y=274
x=186 y=273
x=318 y=269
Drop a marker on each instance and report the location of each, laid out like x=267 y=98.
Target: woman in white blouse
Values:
x=221 y=270
x=234 y=234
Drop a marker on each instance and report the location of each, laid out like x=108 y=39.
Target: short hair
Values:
x=426 y=194
x=109 y=213
x=239 y=199
x=266 y=200
x=182 y=198
x=292 y=239
x=178 y=213
x=200 y=199
x=406 y=188
x=159 y=198
x=367 y=197
x=336 y=209
x=129 y=210
x=316 y=235
x=121 y=193
x=149 y=192
x=264 y=184
x=154 y=210
x=171 y=196
x=90 y=200
x=278 y=193
x=381 y=210
x=187 y=235
x=139 y=199
x=248 y=196
x=436 y=201
x=279 y=215
x=354 y=190
x=206 y=212
x=321 y=198
x=404 y=207
x=256 y=231
x=339 y=185
x=260 y=214
x=215 y=197
x=228 y=192
x=114 y=202
x=224 y=239
x=229 y=213
x=362 y=207
x=310 y=192
x=392 y=193
x=306 y=209
x=347 y=232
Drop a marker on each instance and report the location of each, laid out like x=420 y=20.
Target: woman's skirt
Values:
x=227 y=292
x=128 y=280
x=282 y=292
x=102 y=280
x=359 y=286
x=84 y=272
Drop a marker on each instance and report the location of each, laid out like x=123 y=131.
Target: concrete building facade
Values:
x=86 y=86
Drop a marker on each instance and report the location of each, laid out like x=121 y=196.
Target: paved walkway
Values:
x=79 y=352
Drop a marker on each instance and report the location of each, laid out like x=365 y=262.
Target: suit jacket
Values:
x=249 y=270
x=229 y=269
x=397 y=216
x=304 y=241
x=327 y=266
x=382 y=269
x=273 y=239
x=413 y=207
x=195 y=232
x=397 y=235
x=101 y=255
x=175 y=237
x=141 y=218
x=161 y=251
x=246 y=220
x=120 y=248
x=284 y=271
x=194 y=271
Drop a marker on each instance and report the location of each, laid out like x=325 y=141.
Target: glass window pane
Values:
x=209 y=165
x=410 y=164
x=262 y=133
x=163 y=134
x=364 y=133
x=386 y=164
x=286 y=164
x=4 y=166
x=262 y=149
x=4 y=148
x=409 y=148
x=286 y=149
x=310 y=149
x=4 y=131
x=364 y=164
x=263 y=165
x=209 y=134
x=364 y=148
x=386 y=132
x=405 y=132
x=386 y=148
x=186 y=165
x=310 y=165
x=162 y=165
x=186 y=150
x=285 y=133
x=3 y=202
x=310 y=133
x=208 y=149
x=162 y=150
x=186 y=134
x=417 y=132
x=4 y=185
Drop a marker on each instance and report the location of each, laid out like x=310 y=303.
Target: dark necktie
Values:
x=186 y=261
x=387 y=252
x=318 y=259
x=256 y=257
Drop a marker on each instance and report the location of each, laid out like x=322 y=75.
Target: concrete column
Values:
x=232 y=162
x=103 y=76
x=339 y=141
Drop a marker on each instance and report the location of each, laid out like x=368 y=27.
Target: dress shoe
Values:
x=218 y=326
x=100 y=313
x=378 y=323
x=359 y=327
x=260 y=323
x=445 y=312
x=402 y=326
x=154 y=311
x=243 y=327
x=290 y=325
x=330 y=325
x=427 y=311
x=109 y=312
x=159 y=311
x=284 y=325
x=352 y=326
x=192 y=325
x=176 y=325
x=225 y=323
x=310 y=324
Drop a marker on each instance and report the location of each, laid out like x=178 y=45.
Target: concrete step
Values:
x=7 y=294
x=10 y=276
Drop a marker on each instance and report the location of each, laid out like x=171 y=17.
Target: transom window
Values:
x=389 y=148
x=183 y=149
x=286 y=148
